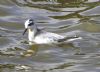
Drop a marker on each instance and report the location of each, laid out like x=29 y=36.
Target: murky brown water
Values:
x=67 y=17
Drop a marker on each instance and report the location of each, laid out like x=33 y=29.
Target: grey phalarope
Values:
x=38 y=36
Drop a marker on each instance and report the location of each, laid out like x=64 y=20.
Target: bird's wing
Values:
x=51 y=36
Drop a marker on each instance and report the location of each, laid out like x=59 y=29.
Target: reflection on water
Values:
x=32 y=50
x=66 y=17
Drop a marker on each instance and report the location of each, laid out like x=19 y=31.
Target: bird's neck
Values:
x=33 y=33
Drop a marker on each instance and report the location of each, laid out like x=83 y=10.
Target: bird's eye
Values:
x=30 y=24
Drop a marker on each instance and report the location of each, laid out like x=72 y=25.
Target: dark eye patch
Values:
x=31 y=24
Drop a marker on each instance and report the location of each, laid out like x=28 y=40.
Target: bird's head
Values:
x=29 y=24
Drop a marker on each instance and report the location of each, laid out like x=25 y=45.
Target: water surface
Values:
x=66 y=17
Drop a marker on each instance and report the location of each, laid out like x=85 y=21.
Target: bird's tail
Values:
x=69 y=39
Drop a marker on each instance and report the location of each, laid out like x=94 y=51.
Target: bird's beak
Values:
x=24 y=31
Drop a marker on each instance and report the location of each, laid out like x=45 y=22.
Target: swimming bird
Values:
x=38 y=36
